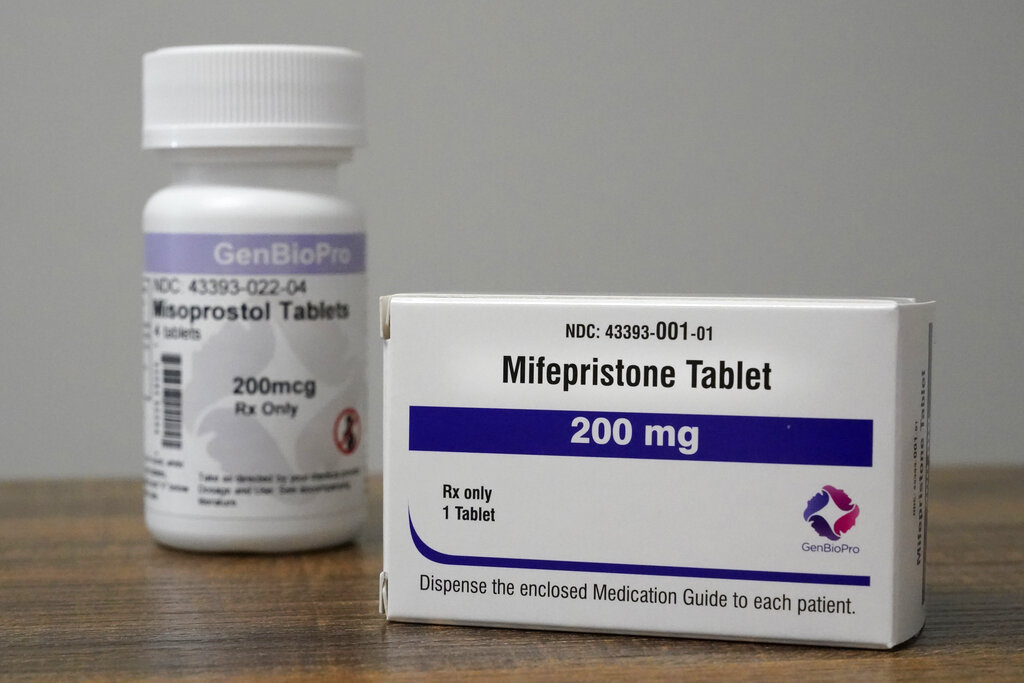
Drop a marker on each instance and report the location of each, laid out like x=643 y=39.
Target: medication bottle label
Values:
x=253 y=373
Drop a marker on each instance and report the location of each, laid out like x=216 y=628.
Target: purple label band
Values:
x=634 y=569
x=255 y=254
x=651 y=436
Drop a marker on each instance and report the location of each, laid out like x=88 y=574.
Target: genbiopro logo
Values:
x=831 y=512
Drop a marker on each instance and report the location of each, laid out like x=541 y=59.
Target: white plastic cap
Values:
x=252 y=96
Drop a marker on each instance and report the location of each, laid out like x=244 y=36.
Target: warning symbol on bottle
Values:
x=347 y=431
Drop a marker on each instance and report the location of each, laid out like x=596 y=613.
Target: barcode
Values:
x=172 y=399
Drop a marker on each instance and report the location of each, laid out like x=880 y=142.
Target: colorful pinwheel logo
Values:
x=831 y=512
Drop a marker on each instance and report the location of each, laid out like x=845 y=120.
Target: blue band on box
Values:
x=722 y=438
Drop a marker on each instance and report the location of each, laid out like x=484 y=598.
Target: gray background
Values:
x=811 y=148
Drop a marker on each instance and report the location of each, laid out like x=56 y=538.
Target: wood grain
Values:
x=85 y=594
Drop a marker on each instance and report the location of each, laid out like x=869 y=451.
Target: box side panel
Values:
x=914 y=385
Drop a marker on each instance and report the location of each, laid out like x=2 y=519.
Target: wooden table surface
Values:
x=84 y=593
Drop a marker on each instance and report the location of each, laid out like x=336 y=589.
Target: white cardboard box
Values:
x=733 y=468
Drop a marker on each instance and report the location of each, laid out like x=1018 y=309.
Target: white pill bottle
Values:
x=254 y=311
